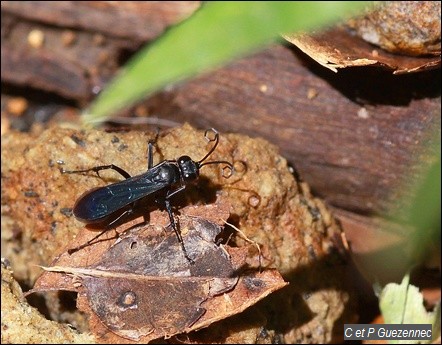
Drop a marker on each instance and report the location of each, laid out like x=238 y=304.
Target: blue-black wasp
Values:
x=162 y=181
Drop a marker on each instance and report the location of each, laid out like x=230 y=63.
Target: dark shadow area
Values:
x=68 y=301
x=375 y=85
x=38 y=301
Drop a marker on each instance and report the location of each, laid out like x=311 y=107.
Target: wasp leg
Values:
x=150 y=146
x=150 y=155
x=108 y=227
x=119 y=170
x=175 y=228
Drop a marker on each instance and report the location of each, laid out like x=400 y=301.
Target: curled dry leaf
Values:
x=401 y=36
x=142 y=287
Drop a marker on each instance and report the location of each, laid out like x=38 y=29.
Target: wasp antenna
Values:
x=216 y=139
x=228 y=166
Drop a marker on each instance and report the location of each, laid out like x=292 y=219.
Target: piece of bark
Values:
x=134 y=20
x=81 y=46
x=296 y=233
x=354 y=136
x=75 y=70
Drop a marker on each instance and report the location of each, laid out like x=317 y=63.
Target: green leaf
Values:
x=215 y=34
x=403 y=304
x=424 y=213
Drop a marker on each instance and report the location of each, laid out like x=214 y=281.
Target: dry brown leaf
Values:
x=140 y=285
x=402 y=36
x=338 y=48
